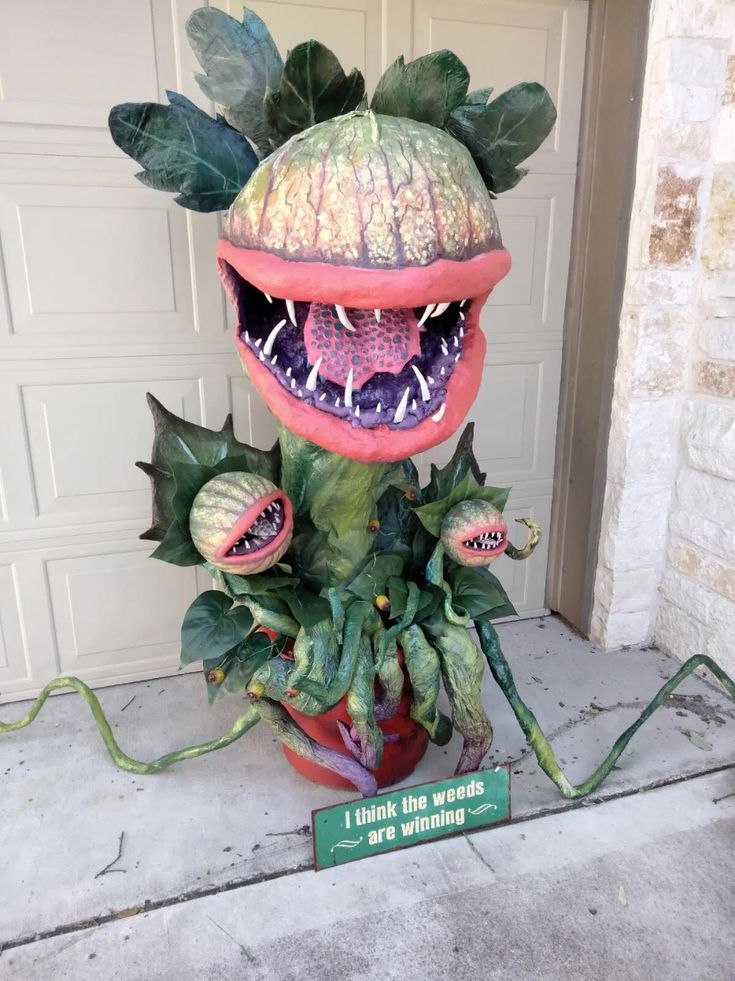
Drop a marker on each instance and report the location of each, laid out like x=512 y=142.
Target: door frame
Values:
x=611 y=104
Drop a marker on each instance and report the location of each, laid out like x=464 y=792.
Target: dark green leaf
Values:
x=503 y=133
x=241 y=62
x=183 y=149
x=427 y=89
x=431 y=599
x=478 y=591
x=177 y=547
x=313 y=87
x=397 y=521
x=307 y=608
x=177 y=441
x=212 y=627
x=372 y=580
x=478 y=97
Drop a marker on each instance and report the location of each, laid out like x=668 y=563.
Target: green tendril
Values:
x=241 y=725
x=540 y=744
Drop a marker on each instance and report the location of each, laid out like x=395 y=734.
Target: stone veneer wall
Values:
x=666 y=563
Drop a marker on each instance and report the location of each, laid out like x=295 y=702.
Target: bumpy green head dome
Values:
x=368 y=190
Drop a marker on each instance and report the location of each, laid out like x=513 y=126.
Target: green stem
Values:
x=241 y=725
x=538 y=742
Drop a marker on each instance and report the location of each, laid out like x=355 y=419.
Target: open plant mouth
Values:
x=264 y=530
x=487 y=541
x=368 y=367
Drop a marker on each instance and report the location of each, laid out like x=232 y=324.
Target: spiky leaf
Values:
x=177 y=441
x=503 y=133
x=313 y=87
x=183 y=149
x=444 y=480
x=431 y=515
x=177 y=547
x=241 y=62
x=427 y=89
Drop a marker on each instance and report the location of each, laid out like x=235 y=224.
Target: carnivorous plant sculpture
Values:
x=358 y=249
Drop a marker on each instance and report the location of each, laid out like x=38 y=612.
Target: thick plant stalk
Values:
x=535 y=537
x=390 y=678
x=361 y=709
x=424 y=670
x=331 y=693
x=462 y=670
x=435 y=575
x=241 y=725
x=296 y=739
x=388 y=636
x=540 y=744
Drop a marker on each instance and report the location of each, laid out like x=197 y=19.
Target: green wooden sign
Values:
x=402 y=818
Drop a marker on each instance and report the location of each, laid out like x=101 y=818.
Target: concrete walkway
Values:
x=216 y=851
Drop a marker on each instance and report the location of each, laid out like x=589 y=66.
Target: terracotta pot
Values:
x=400 y=758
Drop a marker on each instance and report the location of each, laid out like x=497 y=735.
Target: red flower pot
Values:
x=399 y=758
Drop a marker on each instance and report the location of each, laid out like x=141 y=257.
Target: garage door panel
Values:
x=524 y=580
x=15 y=665
x=115 y=610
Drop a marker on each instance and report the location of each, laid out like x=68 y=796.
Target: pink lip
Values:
x=503 y=529
x=355 y=287
x=246 y=520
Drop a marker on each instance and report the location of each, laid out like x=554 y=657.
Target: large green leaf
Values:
x=241 y=62
x=427 y=89
x=177 y=547
x=479 y=592
x=506 y=131
x=240 y=664
x=308 y=552
x=431 y=515
x=313 y=87
x=212 y=627
x=183 y=149
x=176 y=441
x=257 y=585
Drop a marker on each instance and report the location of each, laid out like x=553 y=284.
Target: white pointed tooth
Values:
x=274 y=359
x=425 y=393
x=300 y=394
x=322 y=396
x=293 y=383
x=259 y=342
x=437 y=415
x=443 y=371
x=400 y=413
x=262 y=356
x=379 y=407
x=336 y=403
x=462 y=304
x=271 y=340
x=461 y=331
x=291 y=310
x=445 y=349
x=357 y=411
x=377 y=315
x=461 y=315
x=313 y=378
x=288 y=372
x=268 y=297
x=455 y=341
x=348 y=387
x=430 y=380
x=343 y=318
x=413 y=405
x=247 y=337
x=247 y=545
x=427 y=312
x=457 y=358
x=440 y=308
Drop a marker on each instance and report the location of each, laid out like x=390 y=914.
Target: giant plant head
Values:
x=361 y=241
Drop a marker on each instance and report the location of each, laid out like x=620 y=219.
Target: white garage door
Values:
x=108 y=289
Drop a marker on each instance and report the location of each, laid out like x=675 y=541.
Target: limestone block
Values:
x=691 y=102
x=677 y=632
x=660 y=366
x=723 y=150
x=634 y=526
x=696 y=61
x=702 y=494
x=676 y=217
x=718 y=251
x=707 y=534
x=715 y=378
x=698 y=18
x=643 y=434
x=687 y=594
x=710 y=437
x=669 y=287
x=626 y=592
x=717 y=337
x=703 y=568
x=626 y=629
x=721 y=633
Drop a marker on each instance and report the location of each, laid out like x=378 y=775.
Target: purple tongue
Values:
x=371 y=348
